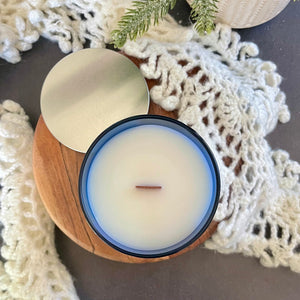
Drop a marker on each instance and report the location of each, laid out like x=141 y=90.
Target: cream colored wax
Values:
x=149 y=219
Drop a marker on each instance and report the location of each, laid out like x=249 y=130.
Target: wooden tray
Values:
x=56 y=170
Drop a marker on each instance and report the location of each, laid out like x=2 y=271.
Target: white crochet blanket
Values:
x=31 y=269
x=216 y=84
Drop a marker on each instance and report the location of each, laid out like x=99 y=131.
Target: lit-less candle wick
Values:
x=149 y=187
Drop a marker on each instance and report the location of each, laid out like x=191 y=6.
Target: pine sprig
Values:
x=203 y=12
x=137 y=20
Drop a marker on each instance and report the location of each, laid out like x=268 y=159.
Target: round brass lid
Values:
x=88 y=91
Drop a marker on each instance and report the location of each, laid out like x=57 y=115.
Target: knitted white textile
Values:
x=69 y=22
x=32 y=269
x=232 y=99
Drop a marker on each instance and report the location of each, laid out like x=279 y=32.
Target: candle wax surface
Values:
x=149 y=219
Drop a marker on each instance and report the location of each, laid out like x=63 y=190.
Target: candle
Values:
x=149 y=186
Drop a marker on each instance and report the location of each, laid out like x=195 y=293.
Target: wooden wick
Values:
x=148 y=187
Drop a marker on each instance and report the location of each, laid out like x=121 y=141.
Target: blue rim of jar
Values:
x=108 y=134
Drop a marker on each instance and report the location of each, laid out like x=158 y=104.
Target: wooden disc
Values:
x=56 y=169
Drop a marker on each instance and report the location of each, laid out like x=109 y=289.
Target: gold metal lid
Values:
x=88 y=91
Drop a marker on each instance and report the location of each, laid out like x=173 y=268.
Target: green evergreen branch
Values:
x=137 y=20
x=203 y=12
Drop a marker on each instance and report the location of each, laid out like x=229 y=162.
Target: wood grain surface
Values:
x=56 y=169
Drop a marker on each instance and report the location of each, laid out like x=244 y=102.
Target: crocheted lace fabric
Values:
x=69 y=22
x=215 y=84
x=31 y=268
